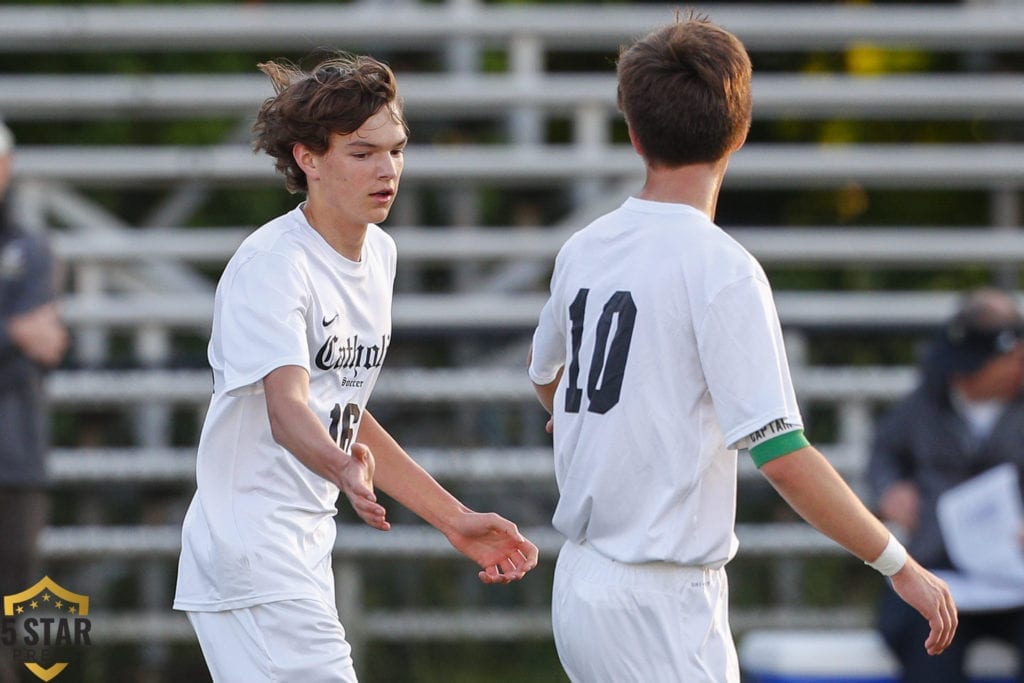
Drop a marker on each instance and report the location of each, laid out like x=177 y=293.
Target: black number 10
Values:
x=609 y=361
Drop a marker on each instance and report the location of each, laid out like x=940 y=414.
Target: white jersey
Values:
x=673 y=357
x=261 y=526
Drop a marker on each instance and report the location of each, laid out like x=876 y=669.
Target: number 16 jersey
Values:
x=672 y=355
x=261 y=526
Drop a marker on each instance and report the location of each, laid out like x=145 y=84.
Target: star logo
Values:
x=47 y=615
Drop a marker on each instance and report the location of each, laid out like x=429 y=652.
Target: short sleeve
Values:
x=744 y=361
x=548 y=351
x=263 y=320
x=548 y=344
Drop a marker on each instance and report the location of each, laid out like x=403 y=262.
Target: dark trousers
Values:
x=905 y=631
x=22 y=516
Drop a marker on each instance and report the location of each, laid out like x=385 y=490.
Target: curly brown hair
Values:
x=336 y=96
x=685 y=92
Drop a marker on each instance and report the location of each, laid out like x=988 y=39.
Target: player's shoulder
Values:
x=600 y=229
x=686 y=231
x=281 y=233
x=276 y=242
x=727 y=247
x=710 y=244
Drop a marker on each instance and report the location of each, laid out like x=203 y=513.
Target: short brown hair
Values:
x=685 y=92
x=336 y=96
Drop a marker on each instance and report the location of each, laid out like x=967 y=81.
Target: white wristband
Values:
x=892 y=558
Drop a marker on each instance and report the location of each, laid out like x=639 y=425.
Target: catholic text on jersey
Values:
x=349 y=354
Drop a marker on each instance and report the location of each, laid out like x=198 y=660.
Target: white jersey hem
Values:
x=242 y=603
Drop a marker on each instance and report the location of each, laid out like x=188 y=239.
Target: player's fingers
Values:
x=376 y=521
x=938 y=638
x=936 y=627
x=530 y=555
x=492 y=574
x=518 y=566
x=515 y=566
x=950 y=621
x=357 y=490
x=947 y=609
x=371 y=512
x=956 y=617
x=934 y=633
x=510 y=567
x=943 y=627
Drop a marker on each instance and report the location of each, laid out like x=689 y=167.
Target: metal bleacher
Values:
x=138 y=287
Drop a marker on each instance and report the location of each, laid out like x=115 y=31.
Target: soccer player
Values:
x=659 y=354
x=301 y=326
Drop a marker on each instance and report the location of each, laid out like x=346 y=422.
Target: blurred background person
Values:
x=32 y=340
x=965 y=417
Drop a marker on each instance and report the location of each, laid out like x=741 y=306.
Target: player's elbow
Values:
x=277 y=426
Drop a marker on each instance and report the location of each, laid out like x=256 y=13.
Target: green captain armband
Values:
x=778 y=446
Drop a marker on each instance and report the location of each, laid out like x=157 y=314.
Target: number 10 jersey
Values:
x=671 y=356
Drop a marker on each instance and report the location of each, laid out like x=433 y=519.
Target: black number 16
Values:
x=609 y=361
x=347 y=417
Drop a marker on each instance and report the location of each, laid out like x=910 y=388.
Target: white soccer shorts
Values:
x=289 y=641
x=633 y=623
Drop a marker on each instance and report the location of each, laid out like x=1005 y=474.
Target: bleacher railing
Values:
x=146 y=280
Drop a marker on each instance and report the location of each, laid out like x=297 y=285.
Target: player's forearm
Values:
x=296 y=428
x=813 y=488
x=546 y=395
x=402 y=478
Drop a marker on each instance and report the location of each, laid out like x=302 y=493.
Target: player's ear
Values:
x=306 y=159
x=740 y=140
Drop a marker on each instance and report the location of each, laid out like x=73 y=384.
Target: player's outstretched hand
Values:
x=357 y=484
x=495 y=544
x=930 y=596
